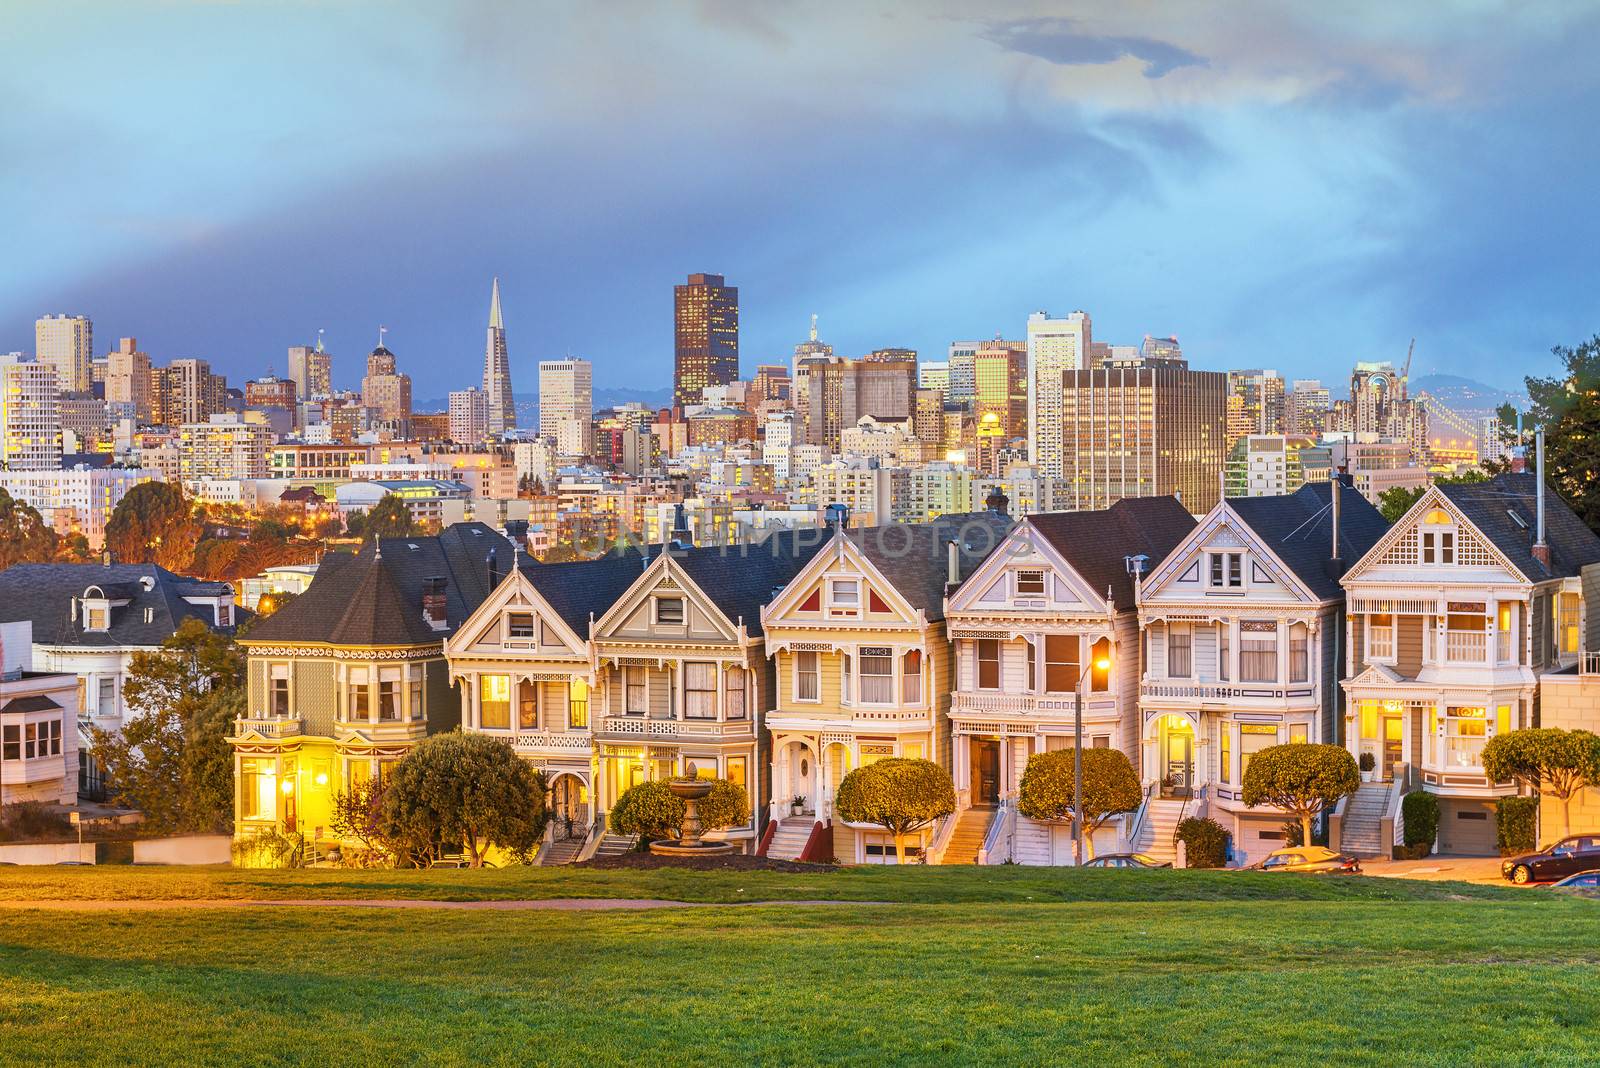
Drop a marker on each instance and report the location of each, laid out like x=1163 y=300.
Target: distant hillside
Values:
x=1466 y=395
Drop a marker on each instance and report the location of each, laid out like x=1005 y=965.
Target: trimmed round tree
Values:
x=1547 y=760
x=1301 y=778
x=652 y=811
x=466 y=788
x=900 y=795
x=1109 y=787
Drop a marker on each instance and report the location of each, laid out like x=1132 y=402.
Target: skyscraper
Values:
x=30 y=421
x=497 y=370
x=312 y=370
x=386 y=390
x=1054 y=346
x=469 y=416
x=566 y=405
x=1305 y=407
x=128 y=379
x=1000 y=388
x=706 y=336
x=66 y=343
x=809 y=348
x=1255 y=399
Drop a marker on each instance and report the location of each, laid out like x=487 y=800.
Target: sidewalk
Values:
x=1438 y=868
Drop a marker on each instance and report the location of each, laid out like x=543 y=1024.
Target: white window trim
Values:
x=1016 y=583
x=817 y=700
x=655 y=610
x=835 y=582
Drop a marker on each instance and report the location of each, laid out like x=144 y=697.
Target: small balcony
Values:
x=574 y=742
x=267 y=726
x=644 y=728
x=1465 y=646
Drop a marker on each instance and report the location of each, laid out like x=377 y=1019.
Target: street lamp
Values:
x=1102 y=664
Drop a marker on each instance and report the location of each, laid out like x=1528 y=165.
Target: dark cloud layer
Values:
x=1061 y=41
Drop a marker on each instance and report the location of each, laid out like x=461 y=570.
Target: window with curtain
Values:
x=1224 y=651
x=1180 y=650
x=389 y=695
x=527 y=705
x=1100 y=680
x=700 y=691
x=494 y=701
x=1033 y=664
x=733 y=692
x=1299 y=652
x=577 y=705
x=278 y=703
x=359 y=703
x=911 y=678
x=1254 y=737
x=636 y=680
x=877 y=676
x=1061 y=668
x=1258 y=651
x=988 y=663
x=807 y=676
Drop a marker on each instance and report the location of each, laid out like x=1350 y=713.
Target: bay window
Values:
x=577 y=705
x=877 y=675
x=1254 y=737
x=1465 y=732
x=358 y=704
x=388 y=695
x=1465 y=632
x=1258 y=651
x=636 y=686
x=1061 y=662
x=807 y=676
x=527 y=706
x=911 y=678
x=258 y=790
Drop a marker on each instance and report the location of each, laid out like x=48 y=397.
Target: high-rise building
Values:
x=890 y=355
x=469 y=416
x=128 y=378
x=834 y=393
x=566 y=405
x=185 y=391
x=1000 y=388
x=935 y=375
x=497 y=370
x=386 y=390
x=1255 y=403
x=771 y=383
x=223 y=447
x=311 y=370
x=1143 y=429
x=706 y=336
x=66 y=343
x=1266 y=465
x=808 y=349
x=1055 y=346
x=1305 y=408
x=270 y=391
x=1161 y=350
x=30 y=422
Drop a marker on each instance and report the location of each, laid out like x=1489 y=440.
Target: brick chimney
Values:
x=434 y=609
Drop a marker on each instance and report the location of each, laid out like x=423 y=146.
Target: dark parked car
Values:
x=1571 y=855
x=1125 y=860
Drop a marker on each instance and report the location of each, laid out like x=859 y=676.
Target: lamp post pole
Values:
x=1077 y=774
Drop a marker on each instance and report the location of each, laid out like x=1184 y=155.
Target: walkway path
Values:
x=554 y=904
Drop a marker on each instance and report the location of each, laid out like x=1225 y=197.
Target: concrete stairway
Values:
x=614 y=845
x=789 y=841
x=1155 y=835
x=965 y=841
x=561 y=851
x=1360 y=832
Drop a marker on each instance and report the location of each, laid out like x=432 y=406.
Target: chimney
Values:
x=1541 y=549
x=434 y=612
x=953 y=554
x=1335 y=566
x=997 y=501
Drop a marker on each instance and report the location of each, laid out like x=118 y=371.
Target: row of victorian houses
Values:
x=970 y=641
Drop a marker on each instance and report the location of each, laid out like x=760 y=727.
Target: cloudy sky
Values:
x=1277 y=185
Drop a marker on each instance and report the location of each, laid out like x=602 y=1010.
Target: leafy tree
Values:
x=1110 y=786
x=1302 y=779
x=465 y=788
x=1567 y=406
x=193 y=661
x=1547 y=760
x=74 y=549
x=357 y=815
x=154 y=524
x=652 y=811
x=390 y=518
x=1396 y=501
x=897 y=794
x=24 y=538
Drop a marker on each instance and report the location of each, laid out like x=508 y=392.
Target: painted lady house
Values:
x=683 y=673
x=523 y=664
x=1454 y=615
x=1026 y=628
x=1243 y=650
x=863 y=671
x=347 y=677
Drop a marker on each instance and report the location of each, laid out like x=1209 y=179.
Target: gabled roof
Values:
x=376 y=599
x=1489 y=506
x=914 y=557
x=43 y=595
x=741 y=580
x=1097 y=544
x=581 y=589
x=1298 y=528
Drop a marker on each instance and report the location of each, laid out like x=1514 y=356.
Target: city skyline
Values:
x=1337 y=177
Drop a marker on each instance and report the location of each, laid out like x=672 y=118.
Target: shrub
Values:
x=652 y=811
x=1419 y=812
x=268 y=848
x=1515 y=823
x=1367 y=762
x=23 y=821
x=1109 y=787
x=1548 y=761
x=897 y=794
x=1205 y=842
x=1302 y=779
x=466 y=789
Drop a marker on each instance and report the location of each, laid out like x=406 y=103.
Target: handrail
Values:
x=1392 y=812
x=996 y=833
x=943 y=832
x=1144 y=810
x=596 y=833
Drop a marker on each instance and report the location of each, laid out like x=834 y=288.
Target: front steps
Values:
x=967 y=839
x=1361 y=830
x=790 y=839
x=1160 y=824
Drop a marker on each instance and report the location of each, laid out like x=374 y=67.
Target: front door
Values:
x=1393 y=733
x=1180 y=764
x=985 y=771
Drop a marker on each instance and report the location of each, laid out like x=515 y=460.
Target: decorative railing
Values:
x=267 y=726
x=1465 y=646
x=1590 y=664
x=1144 y=809
x=1226 y=691
x=641 y=727
x=997 y=839
x=528 y=741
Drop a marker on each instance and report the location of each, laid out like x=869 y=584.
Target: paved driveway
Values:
x=1439 y=868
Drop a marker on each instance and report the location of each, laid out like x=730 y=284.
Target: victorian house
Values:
x=1026 y=629
x=684 y=675
x=1243 y=650
x=348 y=676
x=526 y=674
x=1454 y=615
x=863 y=671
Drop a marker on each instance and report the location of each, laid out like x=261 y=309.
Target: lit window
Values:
x=1061 y=662
x=636 y=682
x=278 y=702
x=700 y=691
x=494 y=702
x=527 y=706
x=578 y=705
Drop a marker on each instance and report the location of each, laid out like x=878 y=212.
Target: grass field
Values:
x=1185 y=967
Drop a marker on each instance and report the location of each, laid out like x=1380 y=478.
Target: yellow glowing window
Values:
x=1369 y=719
x=494 y=702
x=1502 y=719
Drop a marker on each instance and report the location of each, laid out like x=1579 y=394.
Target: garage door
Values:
x=1467 y=827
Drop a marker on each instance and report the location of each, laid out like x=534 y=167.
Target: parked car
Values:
x=1308 y=858
x=1125 y=860
x=1573 y=854
x=1584 y=880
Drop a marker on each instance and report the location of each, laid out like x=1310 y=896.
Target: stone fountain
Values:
x=689 y=843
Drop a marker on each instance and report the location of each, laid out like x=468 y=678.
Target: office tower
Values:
x=1155 y=350
x=469 y=416
x=891 y=355
x=927 y=420
x=835 y=393
x=1000 y=388
x=98 y=367
x=30 y=422
x=808 y=349
x=311 y=370
x=1143 y=429
x=497 y=370
x=269 y=391
x=934 y=375
x=1380 y=405
x=1255 y=398
x=1055 y=346
x=1305 y=408
x=386 y=390
x=128 y=378
x=566 y=405
x=185 y=391
x=66 y=343
x=772 y=383
x=706 y=336
x=1266 y=465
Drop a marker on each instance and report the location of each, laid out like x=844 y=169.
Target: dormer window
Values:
x=845 y=593
x=669 y=611
x=224 y=615
x=96 y=616
x=1227 y=571
x=1438 y=538
x=1030 y=583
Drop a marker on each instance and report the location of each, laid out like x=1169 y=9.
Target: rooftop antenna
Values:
x=813 y=326
x=382 y=330
x=319 y=339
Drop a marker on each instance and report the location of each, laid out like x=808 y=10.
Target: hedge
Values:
x=1515 y=824
x=1205 y=842
x=652 y=811
x=1419 y=811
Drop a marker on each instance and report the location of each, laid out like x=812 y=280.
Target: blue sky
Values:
x=1277 y=185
